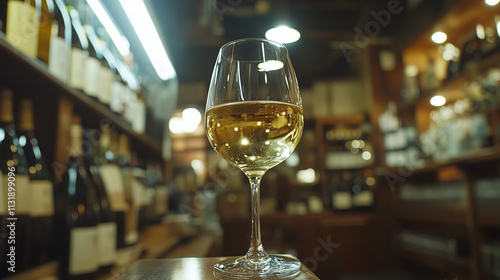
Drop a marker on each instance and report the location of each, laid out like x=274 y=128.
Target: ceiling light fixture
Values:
x=120 y=42
x=145 y=29
x=439 y=37
x=491 y=2
x=283 y=34
x=438 y=100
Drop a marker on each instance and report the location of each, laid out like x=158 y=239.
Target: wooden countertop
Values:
x=184 y=268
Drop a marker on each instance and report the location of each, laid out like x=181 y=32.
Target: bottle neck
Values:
x=26 y=115
x=6 y=106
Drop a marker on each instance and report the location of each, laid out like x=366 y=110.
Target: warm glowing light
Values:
x=306 y=176
x=439 y=37
x=283 y=34
x=188 y=123
x=438 y=100
x=491 y=2
x=366 y=155
x=245 y=142
x=355 y=144
x=138 y=16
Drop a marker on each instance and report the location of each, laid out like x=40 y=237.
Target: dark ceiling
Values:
x=193 y=30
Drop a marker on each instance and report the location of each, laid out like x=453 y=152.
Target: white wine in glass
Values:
x=254 y=120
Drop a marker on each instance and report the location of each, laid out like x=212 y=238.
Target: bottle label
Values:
x=83 y=247
x=59 y=58
x=22 y=27
x=42 y=201
x=139 y=117
x=77 y=68
x=107 y=243
x=342 y=200
x=364 y=198
x=108 y=77
x=113 y=183
x=22 y=183
x=138 y=192
x=116 y=102
x=92 y=76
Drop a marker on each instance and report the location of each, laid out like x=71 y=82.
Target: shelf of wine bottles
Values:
x=79 y=212
x=74 y=57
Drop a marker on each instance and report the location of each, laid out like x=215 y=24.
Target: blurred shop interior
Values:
x=397 y=174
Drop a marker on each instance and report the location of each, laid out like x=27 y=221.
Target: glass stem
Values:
x=256 y=253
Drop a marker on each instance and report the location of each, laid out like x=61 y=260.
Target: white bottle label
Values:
x=116 y=103
x=364 y=198
x=107 y=243
x=22 y=27
x=42 y=201
x=342 y=200
x=77 y=68
x=92 y=76
x=113 y=183
x=108 y=77
x=23 y=197
x=59 y=56
x=82 y=251
x=139 y=117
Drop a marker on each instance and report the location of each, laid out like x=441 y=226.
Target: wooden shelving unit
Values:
x=54 y=100
x=54 y=105
x=468 y=219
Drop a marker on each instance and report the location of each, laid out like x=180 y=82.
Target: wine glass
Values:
x=254 y=120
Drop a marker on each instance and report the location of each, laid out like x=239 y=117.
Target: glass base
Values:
x=274 y=267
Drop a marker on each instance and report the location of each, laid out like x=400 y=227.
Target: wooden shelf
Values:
x=435 y=261
x=40 y=82
x=452 y=89
x=488 y=218
x=442 y=216
x=469 y=159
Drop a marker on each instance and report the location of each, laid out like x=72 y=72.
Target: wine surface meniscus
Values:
x=254 y=136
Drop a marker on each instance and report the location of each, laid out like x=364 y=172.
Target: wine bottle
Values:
x=76 y=218
x=23 y=24
x=60 y=42
x=93 y=74
x=133 y=197
x=41 y=188
x=45 y=29
x=362 y=197
x=14 y=191
x=108 y=71
x=342 y=196
x=112 y=180
x=106 y=228
x=79 y=51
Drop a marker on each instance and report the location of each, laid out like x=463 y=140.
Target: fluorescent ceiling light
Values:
x=283 y=34
x=138 y=15
x=491 y=2
x=120 y=42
